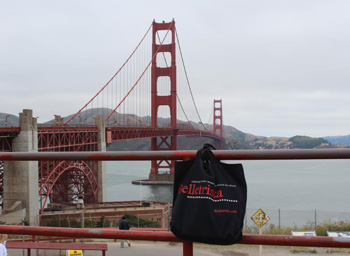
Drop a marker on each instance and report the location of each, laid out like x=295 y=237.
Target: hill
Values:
x=12 y=120
x=339 y=140
x=234 y=138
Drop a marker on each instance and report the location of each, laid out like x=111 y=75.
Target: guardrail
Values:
x=104 y=233
x=280 y=240
x=281 y=154
x=57 y=246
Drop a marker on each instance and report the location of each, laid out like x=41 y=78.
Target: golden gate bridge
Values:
x=141 y=100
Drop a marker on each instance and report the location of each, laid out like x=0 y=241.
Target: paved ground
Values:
x=154 y=249
x=172 y=249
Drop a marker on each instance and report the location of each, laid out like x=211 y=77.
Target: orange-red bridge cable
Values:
x=111 y=78
x=188 y=82
x=138 y=80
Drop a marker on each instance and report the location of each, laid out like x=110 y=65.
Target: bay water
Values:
x=291 y=186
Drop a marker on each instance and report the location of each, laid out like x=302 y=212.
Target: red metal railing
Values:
x=281 y=240
x=283 y=154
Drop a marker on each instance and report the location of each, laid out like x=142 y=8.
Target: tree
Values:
x=305 y=142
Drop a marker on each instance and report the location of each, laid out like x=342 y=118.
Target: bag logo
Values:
x=200 y=190
x=205 y=191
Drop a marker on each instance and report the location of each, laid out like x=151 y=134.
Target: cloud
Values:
x=280 y=67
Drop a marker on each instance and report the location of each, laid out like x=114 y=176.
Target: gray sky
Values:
x=281 y=67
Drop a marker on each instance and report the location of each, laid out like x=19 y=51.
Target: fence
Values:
x=281 y=240
x=297 y=219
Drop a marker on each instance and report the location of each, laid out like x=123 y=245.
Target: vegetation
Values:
x=72 y=223
x=305 y=142
x=25 y=222
x=55 y=222
x=134 y=221
x=321 y=229
x=103 y=222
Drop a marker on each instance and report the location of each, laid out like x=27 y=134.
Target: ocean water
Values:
x=289 y=185
x=120 y=175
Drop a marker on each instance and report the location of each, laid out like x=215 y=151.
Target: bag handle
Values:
x=208 y=146
x=206 y=155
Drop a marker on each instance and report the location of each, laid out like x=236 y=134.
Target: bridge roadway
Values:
x=127 y=133
x=76 y=138
x=6 y=135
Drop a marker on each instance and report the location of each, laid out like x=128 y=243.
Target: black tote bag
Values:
x=209 y=200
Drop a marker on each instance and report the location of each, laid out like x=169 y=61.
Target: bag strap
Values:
x=208 y=146
x=206 y=154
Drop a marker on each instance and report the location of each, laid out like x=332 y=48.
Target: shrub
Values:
x=321 y=228
x=140 y=222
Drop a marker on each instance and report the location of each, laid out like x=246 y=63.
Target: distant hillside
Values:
x=234 y=139
x=12 y=120
x=308 y=142
x=340 y=140
x=86 y=117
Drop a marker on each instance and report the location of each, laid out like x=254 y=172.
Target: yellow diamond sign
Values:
x=260 y=218
x=74 y=253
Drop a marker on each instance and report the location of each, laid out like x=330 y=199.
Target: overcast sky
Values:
x=281 y=67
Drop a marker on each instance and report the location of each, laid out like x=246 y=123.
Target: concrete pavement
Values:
x=145 y=248
x=153 y=249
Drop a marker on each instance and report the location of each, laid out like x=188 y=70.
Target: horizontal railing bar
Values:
x=43 y=239
x=282 y=240
x=56 y=246
x=89 y=233
x=282 y=154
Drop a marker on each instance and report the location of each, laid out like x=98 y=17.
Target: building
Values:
x=113 y=211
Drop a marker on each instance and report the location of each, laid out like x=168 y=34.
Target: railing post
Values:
x=187 y=249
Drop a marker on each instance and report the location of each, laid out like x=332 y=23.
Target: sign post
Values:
x=260 y=219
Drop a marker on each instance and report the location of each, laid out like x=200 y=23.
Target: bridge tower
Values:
x=163 y=170
x=21 y=177
x=217 y=123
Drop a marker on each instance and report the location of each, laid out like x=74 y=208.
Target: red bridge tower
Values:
x=163 y=170
x=217 y=123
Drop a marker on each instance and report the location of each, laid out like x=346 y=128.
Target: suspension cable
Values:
x=111 y=78
x=177 y=96
x=188 y=82
x=138 y=80
x=166 y=63
x=189 y=122
x=210 y=116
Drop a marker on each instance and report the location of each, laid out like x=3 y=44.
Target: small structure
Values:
x=338 y=234
x=303 y=233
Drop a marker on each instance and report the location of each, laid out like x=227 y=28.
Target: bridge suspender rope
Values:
x=138 y=80
x=177 y=95
x=188 y=81
x=70 y=119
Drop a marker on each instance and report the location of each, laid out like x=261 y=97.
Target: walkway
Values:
x=173 y=249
